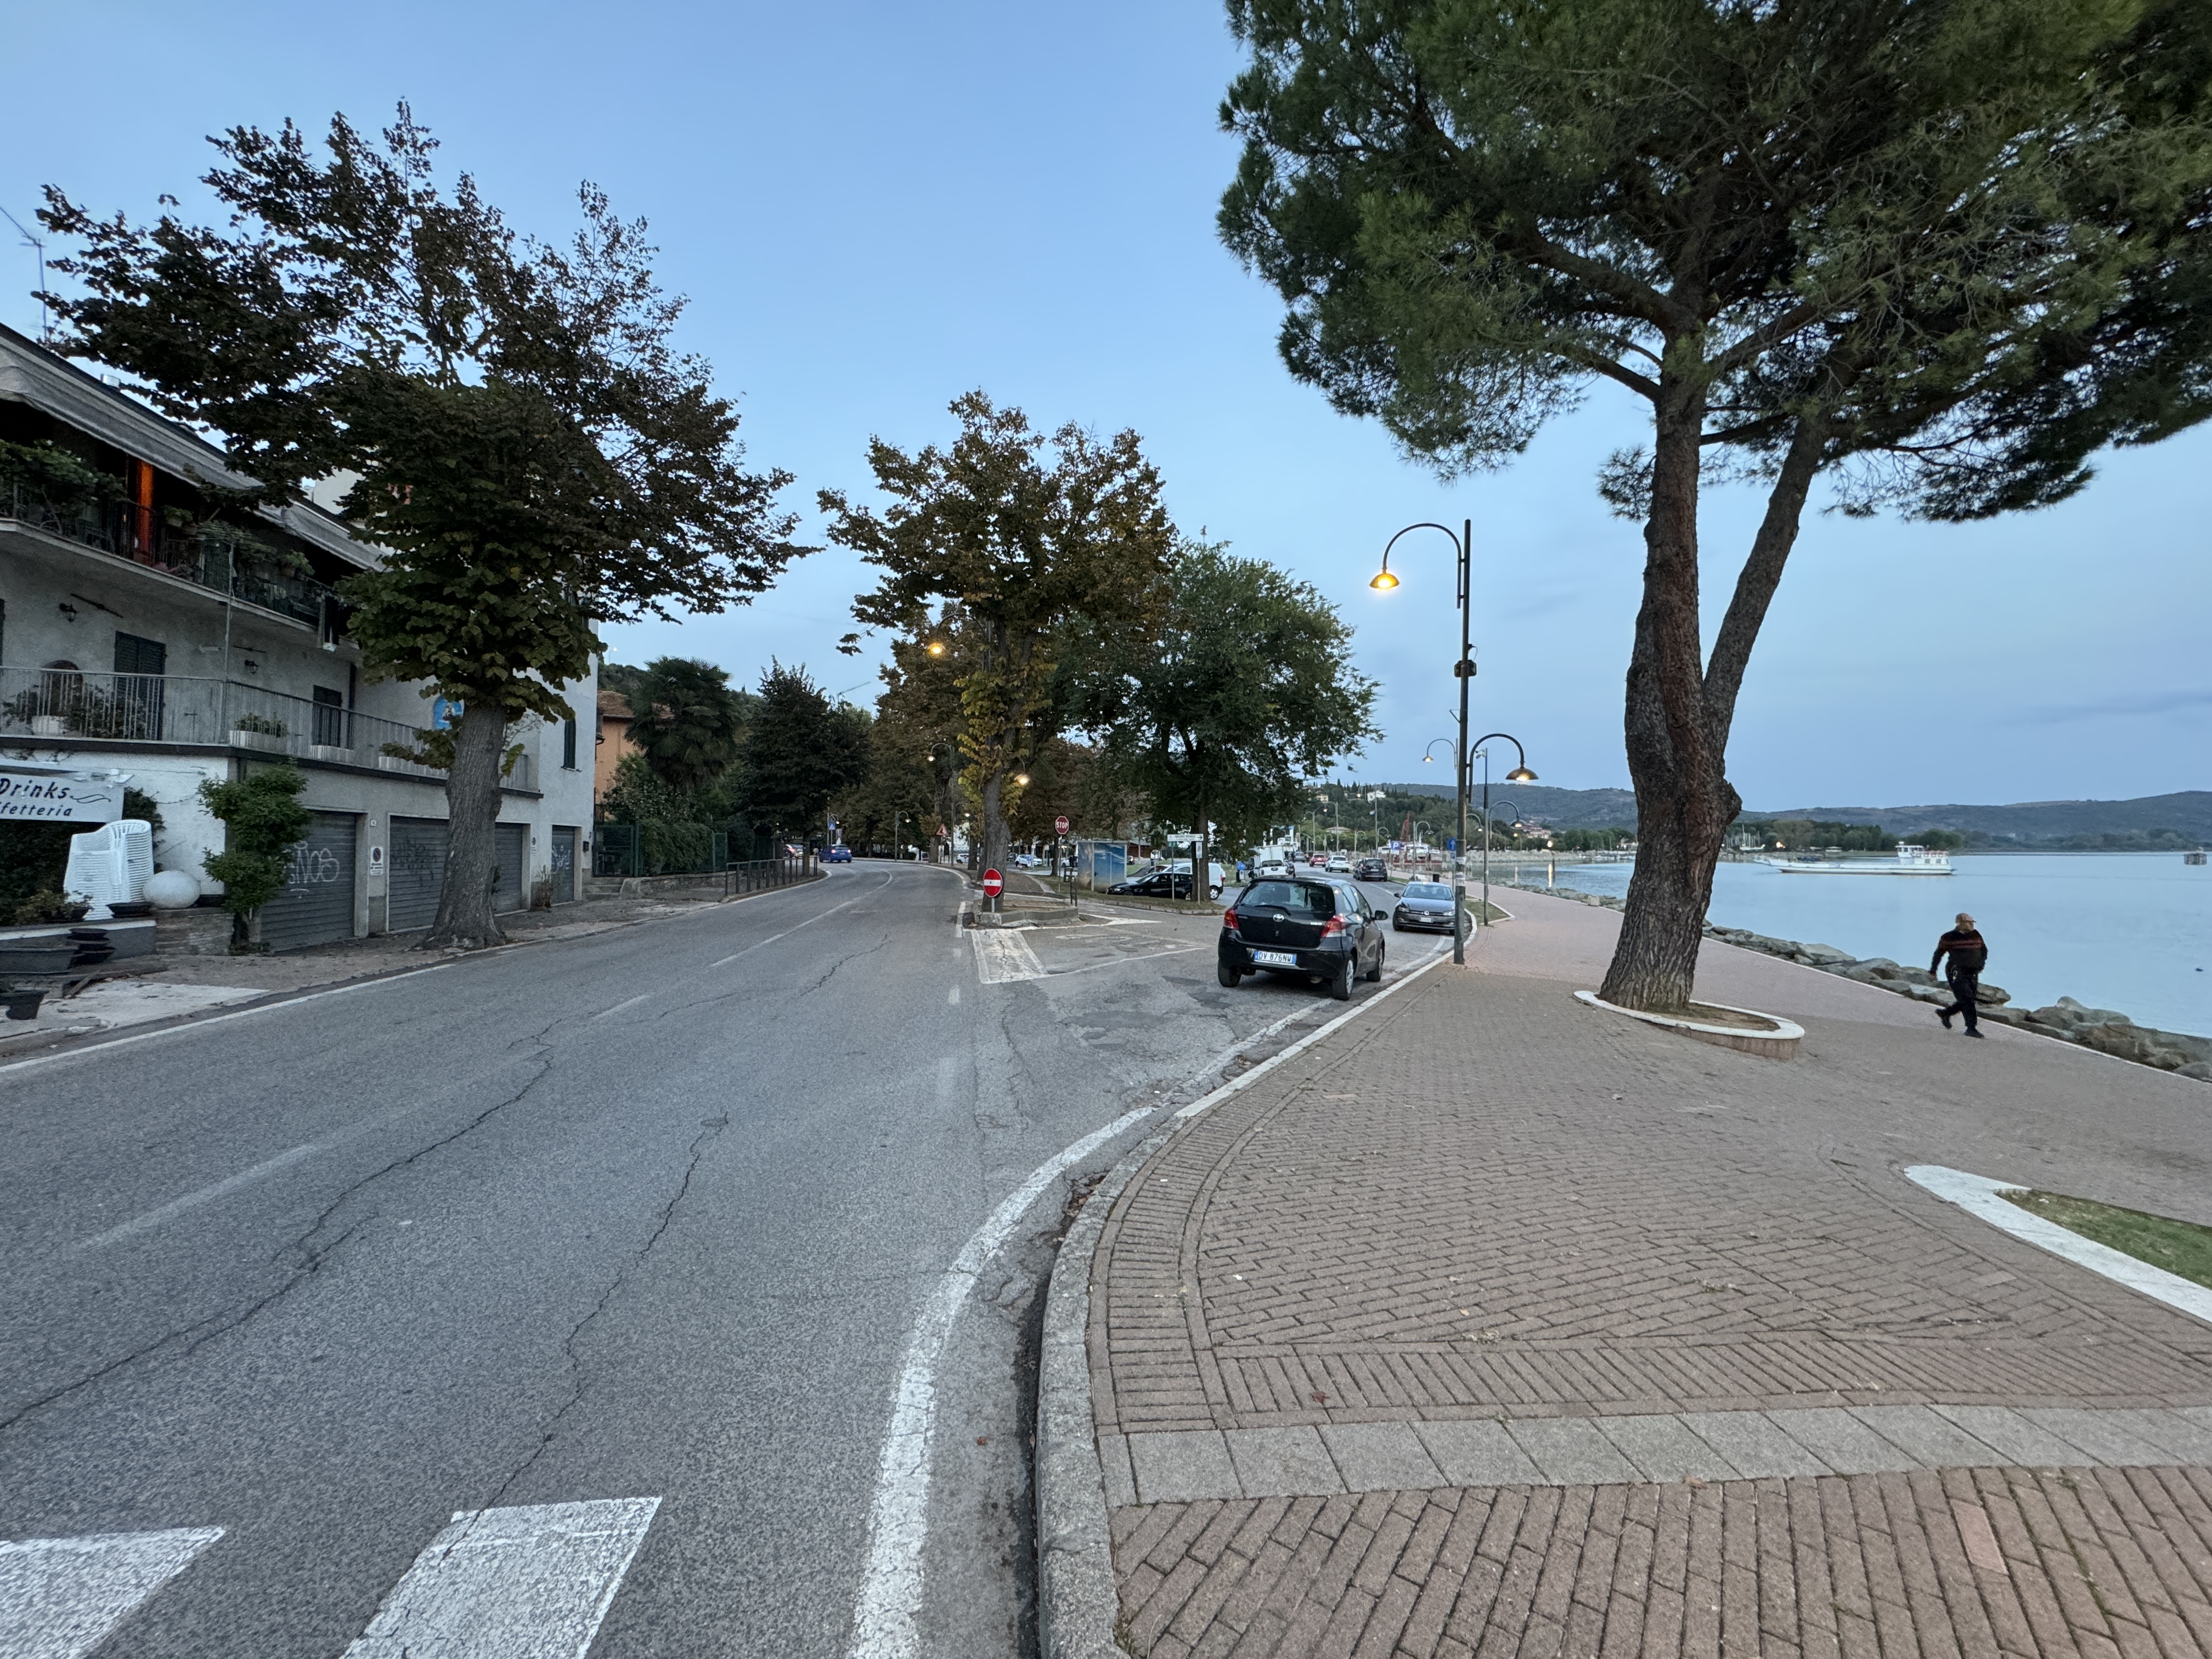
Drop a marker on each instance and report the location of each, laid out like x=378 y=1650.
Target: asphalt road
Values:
x=643 y=1216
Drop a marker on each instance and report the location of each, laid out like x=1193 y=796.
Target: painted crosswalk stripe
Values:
x=532 y=1581
x=59 y=1597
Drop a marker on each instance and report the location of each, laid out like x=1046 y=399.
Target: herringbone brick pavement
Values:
x=1488 y=1200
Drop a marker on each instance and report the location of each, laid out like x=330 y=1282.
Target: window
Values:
x=329 y=717
x=1307 y=898
x=135 y=656
x=568 y=744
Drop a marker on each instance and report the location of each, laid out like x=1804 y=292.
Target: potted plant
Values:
x=263 y=731
x=20 y=1004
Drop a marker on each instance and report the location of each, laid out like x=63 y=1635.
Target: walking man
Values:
x=1970 y=954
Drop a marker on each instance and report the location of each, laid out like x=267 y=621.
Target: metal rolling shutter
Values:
x=316 y=904
x=509 y=840
x=418 y=871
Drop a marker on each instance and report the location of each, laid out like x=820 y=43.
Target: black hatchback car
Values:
x=1157 y=883
x=1324 y=929
x=1370 y=870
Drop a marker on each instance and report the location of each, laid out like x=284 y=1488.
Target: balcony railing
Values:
x=214 y=556
x=61 y=703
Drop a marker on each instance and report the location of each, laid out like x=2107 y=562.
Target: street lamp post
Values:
x=1520 y=774
x=1463 y=671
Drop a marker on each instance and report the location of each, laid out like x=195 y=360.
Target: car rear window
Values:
x=1427 y=890
x=1307 y=898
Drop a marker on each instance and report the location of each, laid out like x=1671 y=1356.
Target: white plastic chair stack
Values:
x=110 y=866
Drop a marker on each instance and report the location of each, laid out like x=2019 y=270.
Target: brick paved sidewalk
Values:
x=1499 y=1324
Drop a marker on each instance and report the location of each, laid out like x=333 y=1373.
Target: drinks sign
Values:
x=60 y=796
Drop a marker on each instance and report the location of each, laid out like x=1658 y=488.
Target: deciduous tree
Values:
x=530 y=451
x=1245 y=689
x=1946 y=249
x=1026 y=534
x=799 y=752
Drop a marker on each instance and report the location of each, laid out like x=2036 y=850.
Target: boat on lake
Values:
x=1910 y=860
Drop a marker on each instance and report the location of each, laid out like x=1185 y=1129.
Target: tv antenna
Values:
x=37 y=245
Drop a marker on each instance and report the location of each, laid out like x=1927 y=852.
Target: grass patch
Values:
x=2182 y=1247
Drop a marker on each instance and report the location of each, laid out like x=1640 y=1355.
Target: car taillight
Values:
x=1333 y=924
x=1229 y=918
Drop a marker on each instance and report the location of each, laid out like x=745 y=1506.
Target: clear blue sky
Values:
x=874 y=207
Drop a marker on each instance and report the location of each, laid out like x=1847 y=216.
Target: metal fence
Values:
x=753 y=874
x=216 y=555
x=71 y=702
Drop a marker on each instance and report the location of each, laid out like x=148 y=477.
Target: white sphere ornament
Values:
x=172 y=889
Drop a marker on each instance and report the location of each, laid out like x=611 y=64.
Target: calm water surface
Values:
x=2131 y=931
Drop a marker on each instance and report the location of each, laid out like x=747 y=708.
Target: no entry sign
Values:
x=993 y=883
x=1060 y=826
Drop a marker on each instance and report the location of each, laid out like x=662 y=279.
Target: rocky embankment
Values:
x=2101 y=1028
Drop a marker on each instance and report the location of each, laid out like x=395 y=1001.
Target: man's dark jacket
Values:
x=1968 y=952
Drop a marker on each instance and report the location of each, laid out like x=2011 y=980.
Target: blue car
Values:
x=840 y=854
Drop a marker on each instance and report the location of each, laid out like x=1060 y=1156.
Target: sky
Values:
x=874 y=208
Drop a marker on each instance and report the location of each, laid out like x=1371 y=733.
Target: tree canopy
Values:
x=799 y=752
x=1244 y=690
x=1944 y=249
x=1025 y=534
x=524 y=441
x=688 y=719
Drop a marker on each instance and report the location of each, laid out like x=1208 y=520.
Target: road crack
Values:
x=188 y=1340
x=711 y=1130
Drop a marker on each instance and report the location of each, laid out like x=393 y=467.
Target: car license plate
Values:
x=1276 y=958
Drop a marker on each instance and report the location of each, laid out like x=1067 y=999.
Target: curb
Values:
x=1780 y=1043
x=1079 y=1606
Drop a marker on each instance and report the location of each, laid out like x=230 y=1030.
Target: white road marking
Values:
x=760 y=943
x=532 y=1581
x=177 y=1207
x=1981 y=1196
x=643 y=996
x=898 y=1522
x=217 y=1019
x=1123 y=962
x=59 y=1597
x=952 y=997
x=1002 y=959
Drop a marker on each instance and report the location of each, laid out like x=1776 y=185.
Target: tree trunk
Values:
x=1684 y=804
x=992 y=827
x=1680 y=710
x=464 y=913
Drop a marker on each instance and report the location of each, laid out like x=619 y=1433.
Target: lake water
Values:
x=2128 y=931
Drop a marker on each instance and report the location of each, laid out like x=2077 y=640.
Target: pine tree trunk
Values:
x=1680 y=708
x=1683 y=803
x=464 y=913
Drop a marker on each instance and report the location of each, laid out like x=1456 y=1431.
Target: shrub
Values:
x=263 y=821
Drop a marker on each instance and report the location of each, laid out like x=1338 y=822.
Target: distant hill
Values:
x=2188 y=813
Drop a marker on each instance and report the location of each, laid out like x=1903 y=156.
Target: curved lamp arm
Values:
x=1520 y=774
x=1384 y=580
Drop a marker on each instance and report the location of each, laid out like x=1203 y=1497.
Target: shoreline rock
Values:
x=2102 y=1028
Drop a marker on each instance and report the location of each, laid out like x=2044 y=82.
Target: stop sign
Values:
x=992 y=884
x=1060 y=826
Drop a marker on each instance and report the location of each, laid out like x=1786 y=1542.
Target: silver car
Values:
x=1425 y=906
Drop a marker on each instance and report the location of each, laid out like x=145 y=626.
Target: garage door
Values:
x=509 y=839
x=316 y=904
x=418 y=870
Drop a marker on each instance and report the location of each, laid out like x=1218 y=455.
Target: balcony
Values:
x=59 y=704
x=217 y=557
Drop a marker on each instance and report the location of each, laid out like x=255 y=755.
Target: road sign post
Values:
x=994 y=884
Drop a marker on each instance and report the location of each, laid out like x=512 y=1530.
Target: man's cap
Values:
x=1963 y=916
